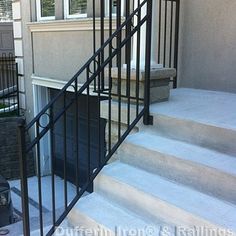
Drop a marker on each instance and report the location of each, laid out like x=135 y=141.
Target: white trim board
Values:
x=82 y=24
x=57 y=84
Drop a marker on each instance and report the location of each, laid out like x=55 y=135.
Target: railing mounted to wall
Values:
x=9 y=91
x=112 y=102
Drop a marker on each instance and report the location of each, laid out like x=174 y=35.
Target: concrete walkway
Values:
x=16 y=229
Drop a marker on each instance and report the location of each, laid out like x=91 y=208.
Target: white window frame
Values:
x=39 y=15
x=67 y=12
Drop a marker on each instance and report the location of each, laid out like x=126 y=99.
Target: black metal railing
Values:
x=168 y=34
x=78 y=126
x=9 y=91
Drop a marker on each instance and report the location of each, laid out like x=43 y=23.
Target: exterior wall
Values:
x=207 y=45
x=51 y=50
x=59 y=55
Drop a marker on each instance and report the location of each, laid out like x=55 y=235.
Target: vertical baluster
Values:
x=102 y=3
x=4 y=83
x=165 y=34
x=1 y=68
x=138 y=61
x=176 y=39
x=52 y=166
x=17 y=91
x=147 y=120
x=171 y=33
x=88 y=127
x=7 y=78
x=1 y=78
x=13 y=80
x=77 y=135
x=24 y=176
x=99 y=121
x=128 y=60
x=94 y=39
x=65 y=150
x=160 y=28
x=110 y=76
x=119 y=36
x=39 y=178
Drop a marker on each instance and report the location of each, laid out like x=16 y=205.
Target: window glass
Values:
x=47 y=8
x=114 y=6
x=5 y=10
x=77 y=7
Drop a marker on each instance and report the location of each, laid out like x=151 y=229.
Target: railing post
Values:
x=23 y=175
x=177 y=15
x=148 y=120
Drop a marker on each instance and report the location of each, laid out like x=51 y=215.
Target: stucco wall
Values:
x=208 y=45
x=59 y=55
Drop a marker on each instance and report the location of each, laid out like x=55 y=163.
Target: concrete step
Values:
x=209 y=136
x=206 y=170
x=154 y=197
x=205 y=118
x=99 y=216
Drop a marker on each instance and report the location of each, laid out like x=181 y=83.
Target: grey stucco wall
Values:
x=207 y=57
x=59 y=55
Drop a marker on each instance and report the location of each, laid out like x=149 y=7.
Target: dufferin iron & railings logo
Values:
x=144 y=231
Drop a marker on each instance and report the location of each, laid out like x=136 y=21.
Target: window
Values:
x=5 y=10
x=75 y=8
x=45 y=9
x=114 y=7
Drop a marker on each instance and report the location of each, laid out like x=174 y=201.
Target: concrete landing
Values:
x=207 y=107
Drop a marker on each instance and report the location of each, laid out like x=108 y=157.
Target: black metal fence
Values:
x=62 y=113
x=9 y=89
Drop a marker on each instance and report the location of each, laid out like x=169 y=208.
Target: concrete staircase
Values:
x=177 y=177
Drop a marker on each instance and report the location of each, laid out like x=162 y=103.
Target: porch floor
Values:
x=207 y=107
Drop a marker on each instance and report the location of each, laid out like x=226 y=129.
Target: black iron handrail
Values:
x=44 y=124
x=107 y=98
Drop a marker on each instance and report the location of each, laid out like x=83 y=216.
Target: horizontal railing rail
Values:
x=72 y=124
